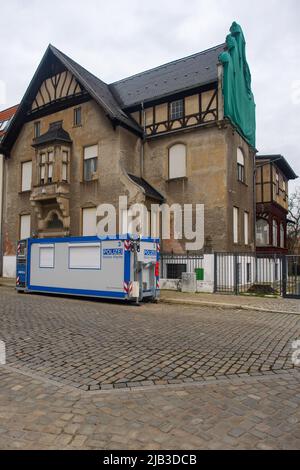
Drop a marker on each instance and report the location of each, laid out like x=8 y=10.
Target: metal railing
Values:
x=172 y=266
x=247 y=273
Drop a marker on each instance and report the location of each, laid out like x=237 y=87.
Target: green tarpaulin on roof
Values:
x=239 y=105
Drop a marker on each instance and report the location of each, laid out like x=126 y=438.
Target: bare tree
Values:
x=294 y=226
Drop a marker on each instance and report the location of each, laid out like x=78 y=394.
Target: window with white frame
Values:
x=85 y=256
x=46 y=164
x=235 y=225
x=240 y=165
x=50 y=167
x=246 y=228
x=90 y=156
x=24 y=226
x=275 y=233
x=46 y=256
x=262 y=232
x=64 y=168
x=177 y=161
x=89 y=221
x=26 y=169
x=176 y=110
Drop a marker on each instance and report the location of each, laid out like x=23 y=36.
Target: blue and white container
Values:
x=114 y=268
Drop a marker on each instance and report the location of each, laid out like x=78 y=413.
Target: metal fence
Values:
x=172 y=266
x=291 y=276
x=240 y=273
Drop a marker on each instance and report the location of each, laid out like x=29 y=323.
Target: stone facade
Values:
x=123 y=149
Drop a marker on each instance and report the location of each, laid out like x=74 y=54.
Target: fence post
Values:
x=284 y=274
x=236 y=275
x=215 y=272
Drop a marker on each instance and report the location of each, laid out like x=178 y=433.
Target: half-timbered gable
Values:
x=273 y=174
x=179 y=95
x=59 y=87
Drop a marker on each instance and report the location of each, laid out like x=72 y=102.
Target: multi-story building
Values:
x=164 y=135
x=272 y=176
x=5 y=118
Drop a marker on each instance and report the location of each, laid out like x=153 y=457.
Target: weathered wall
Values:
x=116 y=149
x=211 y=180
x=240 y=195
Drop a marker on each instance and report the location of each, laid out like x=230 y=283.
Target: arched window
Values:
x=54 y=222
x=177 y=161
x=275 y=233
x=262 y=233
x=240 y=165
x=282 y=236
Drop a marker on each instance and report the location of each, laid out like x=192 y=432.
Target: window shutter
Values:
x=24 y=226
x=235 y=225
x=91 y=152
x=246 y=228
x=240 y=157
x=26 y=176
x=89 y=226
x=177 y=161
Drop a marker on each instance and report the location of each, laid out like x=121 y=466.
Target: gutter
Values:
x=142 y=153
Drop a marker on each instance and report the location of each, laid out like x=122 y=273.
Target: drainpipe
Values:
x=254 y=200
x=143 y=140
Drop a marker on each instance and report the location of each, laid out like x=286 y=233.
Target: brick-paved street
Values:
x=60 y=352
x=93 y=345
x=249 y=413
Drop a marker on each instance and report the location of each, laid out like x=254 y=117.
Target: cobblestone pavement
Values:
x=171 y=363
x=93 y=345
x=250 y=413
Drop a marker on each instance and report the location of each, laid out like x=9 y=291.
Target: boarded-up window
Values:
x=177 y=161
x=85 y=256
x=235 y=225
x=89 y=225
x=46 y=256
x=246 y=228
x=26 y=176
x=24 y=226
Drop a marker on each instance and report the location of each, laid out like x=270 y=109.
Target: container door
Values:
x=21 y=265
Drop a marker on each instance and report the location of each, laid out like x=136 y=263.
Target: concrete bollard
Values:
x=189 y=283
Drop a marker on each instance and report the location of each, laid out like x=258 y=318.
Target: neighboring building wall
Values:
x=1 y=211
x=271 y=206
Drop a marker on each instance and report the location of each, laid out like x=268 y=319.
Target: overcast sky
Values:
x=114 y=39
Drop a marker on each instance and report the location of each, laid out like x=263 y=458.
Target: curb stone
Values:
x=224 y=306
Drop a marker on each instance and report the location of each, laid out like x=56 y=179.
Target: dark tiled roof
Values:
x=55 y=133
x=97 y=88
x=183 y=74
x=178 y=76
x=149 y=190
x=282 y=164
